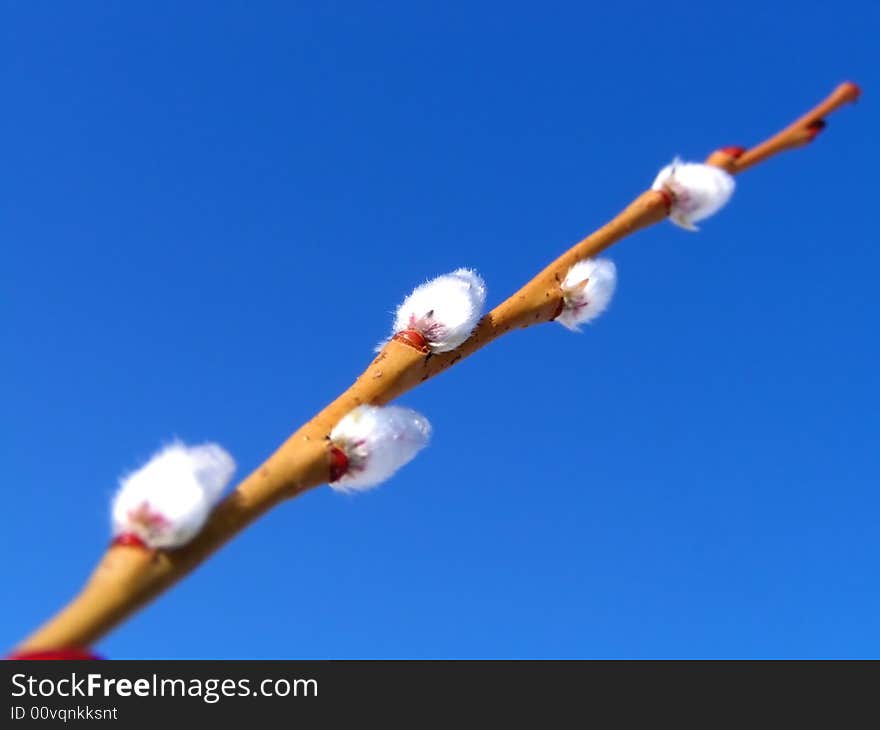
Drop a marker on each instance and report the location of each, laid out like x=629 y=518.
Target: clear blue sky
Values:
x=209 y=210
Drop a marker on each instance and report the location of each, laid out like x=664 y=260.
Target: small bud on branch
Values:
x=373 y=442
x=698 y=190
x=444 y=311
x=165 y=502
x=586 y=291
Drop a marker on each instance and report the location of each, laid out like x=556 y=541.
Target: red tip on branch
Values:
x=813 y=128
x=57 y=654
x=413 y=338
x=129 y=539
x=668 y=198
x=338 y=463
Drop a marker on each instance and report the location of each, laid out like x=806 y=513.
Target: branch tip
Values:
x=850 y=91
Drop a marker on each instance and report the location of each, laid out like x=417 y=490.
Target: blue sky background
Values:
x=209 y=209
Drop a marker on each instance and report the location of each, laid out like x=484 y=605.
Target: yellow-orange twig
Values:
x=128 y=577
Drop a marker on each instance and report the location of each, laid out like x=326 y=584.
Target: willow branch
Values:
x=128 y=577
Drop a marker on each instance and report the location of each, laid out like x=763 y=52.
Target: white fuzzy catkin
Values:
x=444 y=310
x=166 y=501
x=587 y=290
x=698 y=190
x=378 y=440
